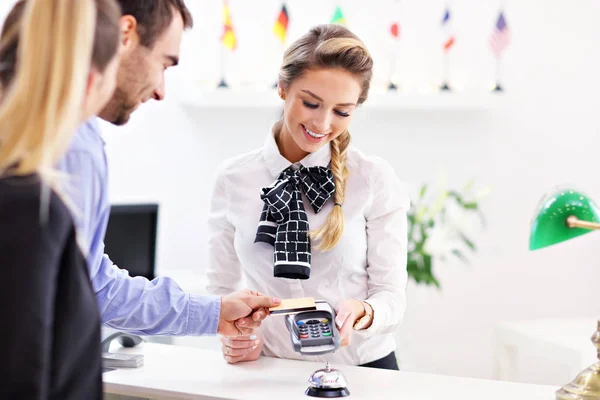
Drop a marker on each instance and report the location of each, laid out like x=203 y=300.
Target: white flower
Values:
x=462 y=221
x=439 y=243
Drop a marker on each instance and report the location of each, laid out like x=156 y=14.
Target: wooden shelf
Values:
x=225 y=98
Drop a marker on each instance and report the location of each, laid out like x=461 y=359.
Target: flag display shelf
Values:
x=388 y=101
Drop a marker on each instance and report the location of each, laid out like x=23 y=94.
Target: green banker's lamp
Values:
x=565 y=214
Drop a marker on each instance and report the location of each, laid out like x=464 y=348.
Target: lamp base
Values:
x=586 y=386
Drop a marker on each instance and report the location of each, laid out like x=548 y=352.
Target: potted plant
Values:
x=438 y=230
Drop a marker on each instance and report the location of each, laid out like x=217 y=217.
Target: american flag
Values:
x=500 y=37
x=448 y=40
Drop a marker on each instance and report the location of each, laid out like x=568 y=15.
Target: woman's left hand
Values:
x=347 y=313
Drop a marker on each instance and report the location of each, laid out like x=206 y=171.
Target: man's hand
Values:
x=242 y=348
x=242 y=312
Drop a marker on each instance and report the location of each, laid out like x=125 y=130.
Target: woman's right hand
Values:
x=242 y=348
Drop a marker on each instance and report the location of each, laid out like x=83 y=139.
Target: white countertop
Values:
x=178 y=372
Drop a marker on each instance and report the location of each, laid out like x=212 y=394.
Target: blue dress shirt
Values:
x=132 y=304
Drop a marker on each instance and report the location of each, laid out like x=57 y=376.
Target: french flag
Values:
x=448 y=40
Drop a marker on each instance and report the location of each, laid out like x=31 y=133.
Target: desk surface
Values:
x=178 y=372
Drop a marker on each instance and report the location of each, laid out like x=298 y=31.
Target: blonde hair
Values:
x=41 y=108
x=330 y=46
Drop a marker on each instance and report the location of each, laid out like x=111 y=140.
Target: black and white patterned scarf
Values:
x=283 y=221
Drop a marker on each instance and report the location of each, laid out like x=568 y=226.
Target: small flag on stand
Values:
x=499 y=40
x=448 y=41
x=281 y=25
x=395 y=32
x=281 y=29
x=500 y=37
x=447 y=31
x=338 y=17
x=228 y=40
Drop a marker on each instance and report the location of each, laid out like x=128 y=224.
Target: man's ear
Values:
x=129 y=34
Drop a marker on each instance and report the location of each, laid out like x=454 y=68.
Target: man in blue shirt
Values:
x=151 y=36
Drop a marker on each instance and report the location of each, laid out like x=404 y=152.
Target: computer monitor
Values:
x=130 y=239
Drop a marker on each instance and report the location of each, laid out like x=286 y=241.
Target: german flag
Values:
x=281 y=24
x=228 y=39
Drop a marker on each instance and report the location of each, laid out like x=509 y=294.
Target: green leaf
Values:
x=422 y=191
x=427 y=263
x=411 y=266
x=470 y=206
x=460 y=255
x=421 y=212
x=454 y=194
x=468 y=242
x=482 y=218
x=468 y=186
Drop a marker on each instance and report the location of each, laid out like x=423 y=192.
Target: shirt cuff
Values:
x=203 y=315
x=378 y=319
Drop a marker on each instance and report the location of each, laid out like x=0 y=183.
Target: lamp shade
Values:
x=550 y=223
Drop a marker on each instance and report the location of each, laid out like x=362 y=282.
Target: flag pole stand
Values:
x=497 y=87
x=392 y=86
x=445 y=87
x=223 y=83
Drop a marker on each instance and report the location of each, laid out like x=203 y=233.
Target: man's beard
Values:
x=118 y=110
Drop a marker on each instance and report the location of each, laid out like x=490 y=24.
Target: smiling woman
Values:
x=310 y=121
x=316 y=189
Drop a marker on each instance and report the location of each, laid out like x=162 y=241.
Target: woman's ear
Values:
x=281 y=91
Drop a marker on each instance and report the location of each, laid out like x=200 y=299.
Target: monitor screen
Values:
x=130 y=240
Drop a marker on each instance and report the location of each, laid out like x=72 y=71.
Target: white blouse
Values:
x=369 y=262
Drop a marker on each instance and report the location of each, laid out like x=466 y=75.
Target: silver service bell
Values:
x=327 y=382
x=314 y=333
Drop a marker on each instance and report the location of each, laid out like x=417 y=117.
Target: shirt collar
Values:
x=94 y=127
x=276 y=163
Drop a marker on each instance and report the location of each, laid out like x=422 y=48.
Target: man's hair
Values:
x=154 y=16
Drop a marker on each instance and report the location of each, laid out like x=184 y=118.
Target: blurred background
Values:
x=514 y=146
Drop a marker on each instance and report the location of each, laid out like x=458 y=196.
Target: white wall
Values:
x=543 y=132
